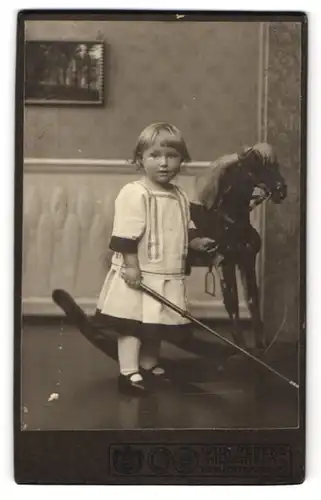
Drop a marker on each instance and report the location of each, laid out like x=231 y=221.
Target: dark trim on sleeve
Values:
x=123 y=245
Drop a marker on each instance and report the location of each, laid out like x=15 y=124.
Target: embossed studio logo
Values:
x=185 y=460
x=127 y=460
x=159 y=460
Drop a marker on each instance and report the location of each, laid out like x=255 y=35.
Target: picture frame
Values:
x=64 y=73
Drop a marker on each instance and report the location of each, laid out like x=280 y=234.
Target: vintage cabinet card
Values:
x=160 y=248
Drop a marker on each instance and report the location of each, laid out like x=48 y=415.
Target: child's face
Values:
x=161 y=163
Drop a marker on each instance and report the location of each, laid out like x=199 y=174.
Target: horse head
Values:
x=263 y=167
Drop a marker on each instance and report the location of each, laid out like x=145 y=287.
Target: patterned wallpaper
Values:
x=283 y=221
x=201 y=76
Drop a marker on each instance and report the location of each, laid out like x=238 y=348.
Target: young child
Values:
x=150 y=241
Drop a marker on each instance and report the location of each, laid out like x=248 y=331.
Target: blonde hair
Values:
x=169 y=135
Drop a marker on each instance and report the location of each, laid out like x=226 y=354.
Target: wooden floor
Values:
x=69 y=384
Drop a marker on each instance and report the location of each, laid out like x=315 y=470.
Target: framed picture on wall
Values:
x=64 y=73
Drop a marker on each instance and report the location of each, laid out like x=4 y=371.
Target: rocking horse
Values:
x=225 y=196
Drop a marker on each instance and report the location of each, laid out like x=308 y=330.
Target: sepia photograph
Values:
x=162 y=242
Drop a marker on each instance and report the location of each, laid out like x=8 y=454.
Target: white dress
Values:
x=159 y=222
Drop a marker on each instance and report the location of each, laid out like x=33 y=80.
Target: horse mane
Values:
x=208 y=183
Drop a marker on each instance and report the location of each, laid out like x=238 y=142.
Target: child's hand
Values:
x=203 y=245
x=132 y=276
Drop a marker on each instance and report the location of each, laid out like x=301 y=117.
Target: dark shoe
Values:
x=131 y=388
x=154 y=378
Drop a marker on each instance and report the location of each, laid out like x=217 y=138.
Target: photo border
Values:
x=90 y=457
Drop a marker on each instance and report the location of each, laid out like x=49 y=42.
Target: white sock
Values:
x=128 y=355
